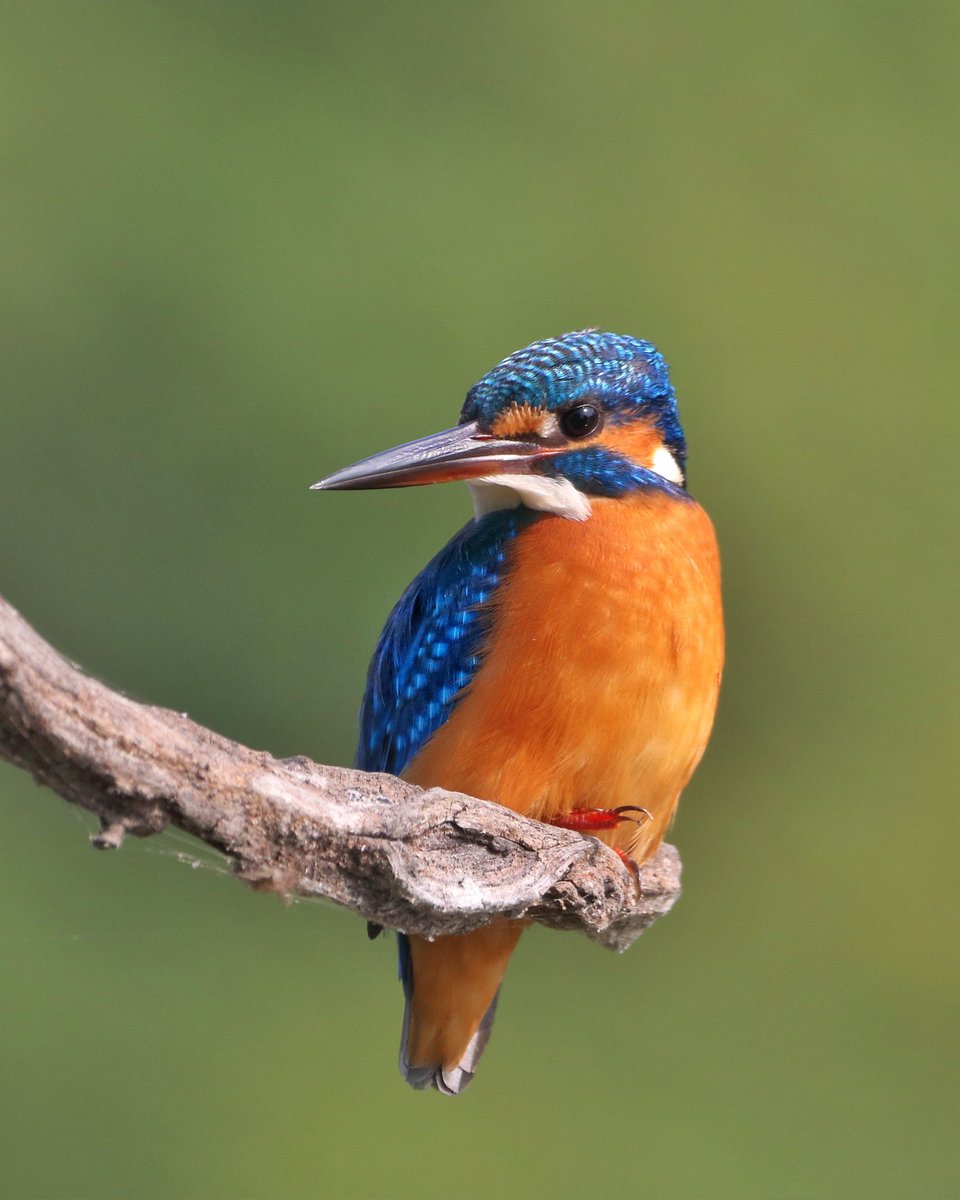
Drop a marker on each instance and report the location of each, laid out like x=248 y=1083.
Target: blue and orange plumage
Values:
x=562 y=654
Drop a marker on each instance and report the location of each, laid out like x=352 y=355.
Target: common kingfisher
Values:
x=561 y=655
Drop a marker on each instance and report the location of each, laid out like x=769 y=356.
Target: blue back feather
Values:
x=431 y=645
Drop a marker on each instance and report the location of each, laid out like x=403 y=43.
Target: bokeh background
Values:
x=243 y=244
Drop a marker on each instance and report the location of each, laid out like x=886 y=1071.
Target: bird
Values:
x=561 y=655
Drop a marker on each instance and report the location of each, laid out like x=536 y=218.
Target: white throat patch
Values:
x=535 y=491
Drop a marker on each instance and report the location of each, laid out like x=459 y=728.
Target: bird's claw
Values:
x=645 y=813
x=632 y=866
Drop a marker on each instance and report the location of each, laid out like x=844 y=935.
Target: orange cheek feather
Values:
x=638 y=441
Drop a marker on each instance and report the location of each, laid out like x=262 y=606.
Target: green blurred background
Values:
x=246 y=243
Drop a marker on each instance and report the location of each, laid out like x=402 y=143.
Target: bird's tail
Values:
x=451 y=987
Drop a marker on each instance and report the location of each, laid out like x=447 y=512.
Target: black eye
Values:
x=580 y=421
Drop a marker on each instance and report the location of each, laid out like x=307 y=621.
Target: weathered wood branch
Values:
x=427 y=862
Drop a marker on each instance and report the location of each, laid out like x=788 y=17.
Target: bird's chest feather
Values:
x=600 y=671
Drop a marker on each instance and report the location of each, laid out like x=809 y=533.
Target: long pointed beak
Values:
x=458 y=453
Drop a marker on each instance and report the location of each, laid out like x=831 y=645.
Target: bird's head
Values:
x=584 y=415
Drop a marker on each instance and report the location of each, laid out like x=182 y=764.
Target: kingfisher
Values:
x=561 y=655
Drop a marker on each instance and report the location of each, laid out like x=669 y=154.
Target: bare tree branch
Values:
x=427 y=862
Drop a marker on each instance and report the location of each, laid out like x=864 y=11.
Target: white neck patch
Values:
x=535 y=491
x=667 y=466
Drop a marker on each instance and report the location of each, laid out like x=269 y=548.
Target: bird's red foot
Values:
x=589 y=820
x=586 y=820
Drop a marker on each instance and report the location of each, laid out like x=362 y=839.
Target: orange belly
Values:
x=600 y=683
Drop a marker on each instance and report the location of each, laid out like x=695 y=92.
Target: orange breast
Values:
x=599 y=682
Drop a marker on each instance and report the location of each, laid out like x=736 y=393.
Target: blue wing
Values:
x=431 y=645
